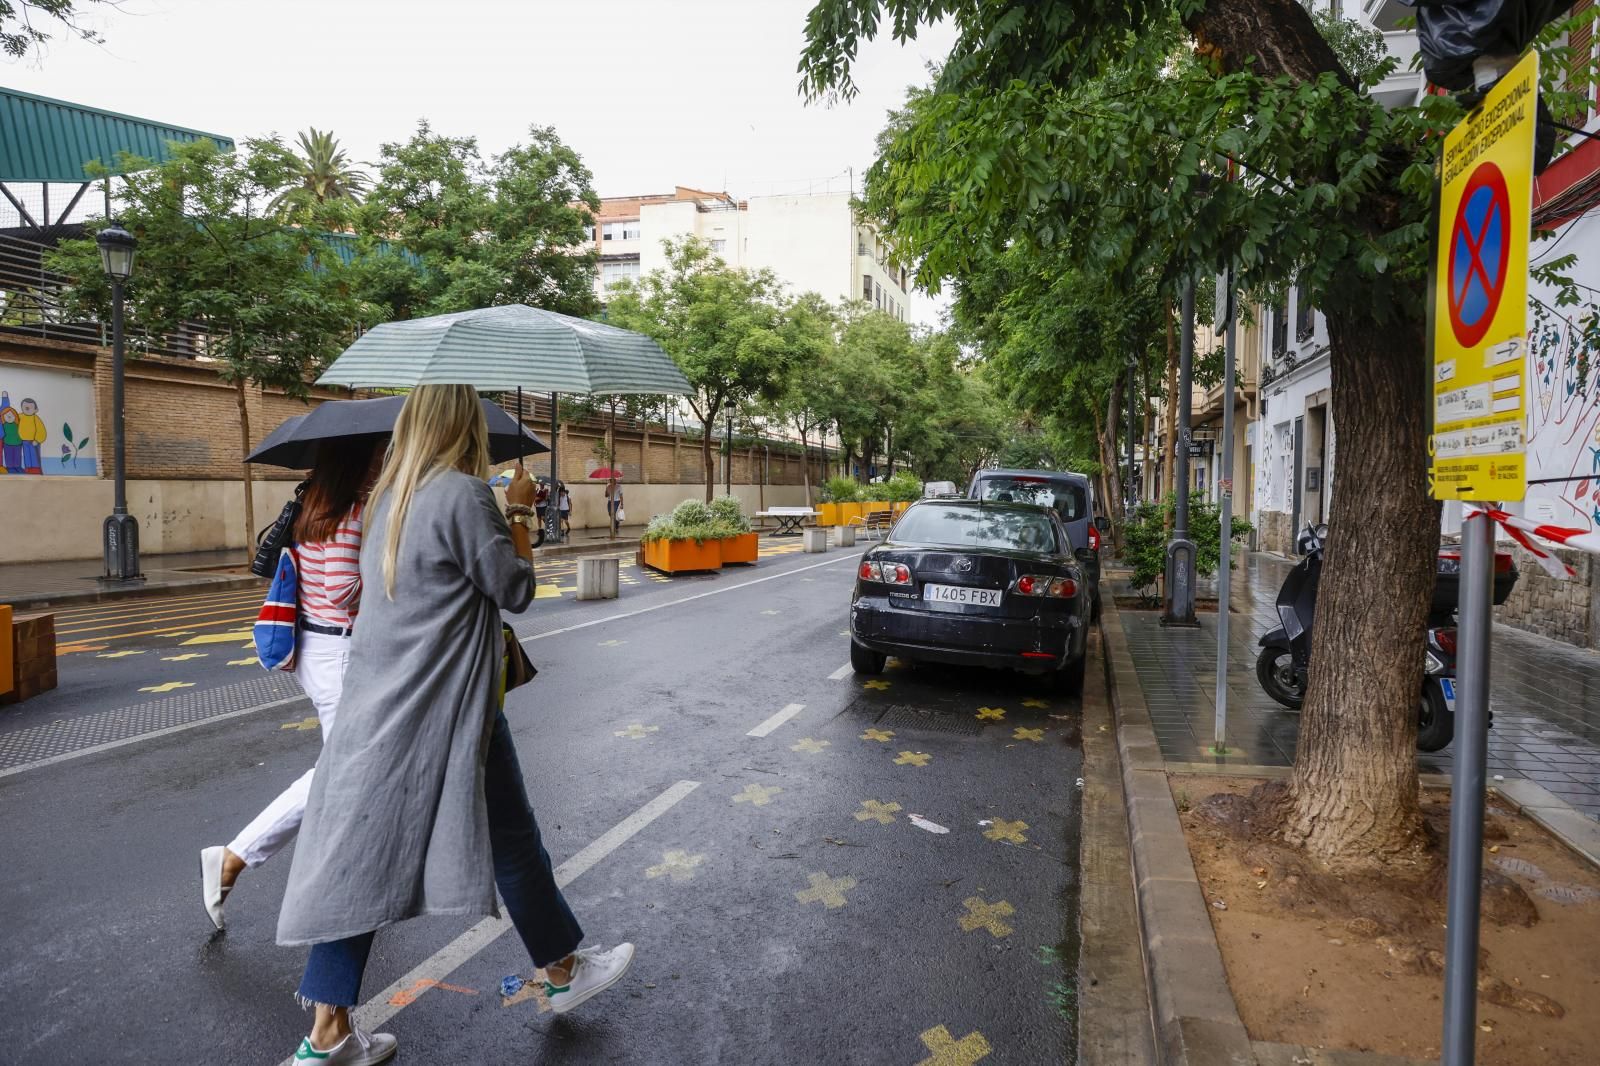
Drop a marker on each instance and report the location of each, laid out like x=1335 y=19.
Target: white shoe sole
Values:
x=211 y=883
x=578 y=1001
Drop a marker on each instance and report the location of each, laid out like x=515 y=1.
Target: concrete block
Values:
x=1205 y=1042
x=599 y=578
x=845 y=536
x=815 y=541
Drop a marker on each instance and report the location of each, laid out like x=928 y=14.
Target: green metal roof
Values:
x=51 y=140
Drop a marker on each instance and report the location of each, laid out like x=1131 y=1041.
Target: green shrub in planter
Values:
x=692 y=514
x=904 y=487
x=728 y=512
x=1145 y=540
x=840 y=490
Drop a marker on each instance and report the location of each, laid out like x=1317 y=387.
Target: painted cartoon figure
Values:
x=31 y=428
x=10 y=439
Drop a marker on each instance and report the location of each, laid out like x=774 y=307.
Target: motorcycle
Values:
x=1284 y=664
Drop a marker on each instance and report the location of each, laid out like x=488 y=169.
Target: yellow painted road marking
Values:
x=948 y=1051
x=878 y=686
x=913 y=758
x=1010 y=832
x=185 y=657
x=809 y=746
x=877 y=734
x=167 y=686
x=1039 y=704
x=220 y=612
x=1023 y=733
x=546 y=592
x=991 y=714
x=637 y=731
x=118 y=654
x=172 y=631
x=68 y=649
x=757 y=795
x=252 y=661
x=828 y=891
x=981 y=915
x=302 y=725
x=873 y=811
x=221 y=638
x=146 y=608
x=679 y=866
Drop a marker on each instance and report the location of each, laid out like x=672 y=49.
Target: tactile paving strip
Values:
x=24 y=746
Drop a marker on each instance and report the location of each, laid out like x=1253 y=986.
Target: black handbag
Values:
x=519 y=669
x=271 y=541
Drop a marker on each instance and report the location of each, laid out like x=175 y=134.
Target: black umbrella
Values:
x=294 y=443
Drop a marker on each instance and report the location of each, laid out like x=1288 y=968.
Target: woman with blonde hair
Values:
x=397 y=823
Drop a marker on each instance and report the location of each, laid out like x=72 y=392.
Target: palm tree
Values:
x=325 y=174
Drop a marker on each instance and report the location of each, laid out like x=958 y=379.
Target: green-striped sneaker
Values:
x=592 y=973
x=357 y=1049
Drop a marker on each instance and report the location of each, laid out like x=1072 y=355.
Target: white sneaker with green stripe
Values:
x=357 y=1049
x=593 y=971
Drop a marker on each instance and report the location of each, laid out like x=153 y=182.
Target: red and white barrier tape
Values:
x=1523 y=531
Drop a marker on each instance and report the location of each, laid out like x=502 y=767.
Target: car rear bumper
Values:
x=1034 y=645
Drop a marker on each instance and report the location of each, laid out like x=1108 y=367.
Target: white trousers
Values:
x=319 y=665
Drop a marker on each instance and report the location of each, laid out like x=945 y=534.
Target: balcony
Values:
x=1403 y=87
x=1386 y=14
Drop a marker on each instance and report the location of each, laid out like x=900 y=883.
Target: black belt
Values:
x=327 y=631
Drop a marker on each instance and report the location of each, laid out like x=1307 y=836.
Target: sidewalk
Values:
x=1545 y=696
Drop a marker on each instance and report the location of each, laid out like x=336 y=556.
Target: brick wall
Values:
x=1563 y=610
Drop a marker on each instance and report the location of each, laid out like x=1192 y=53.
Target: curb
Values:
x=147 y=590
x=1192 y=1010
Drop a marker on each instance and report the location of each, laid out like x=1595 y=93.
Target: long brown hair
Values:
x=336 y=483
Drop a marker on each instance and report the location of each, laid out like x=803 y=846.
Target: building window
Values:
x=1280 y=331
x=1304 y=314
x=877 y=295
x=611 y=273
x=621 y=231
x=861 y=242
x=718 y=246
x=866 y=286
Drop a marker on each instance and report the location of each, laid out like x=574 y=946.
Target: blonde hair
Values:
x=441 y=427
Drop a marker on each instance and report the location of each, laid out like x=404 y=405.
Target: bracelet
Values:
x=518 y=510
x=521 y=520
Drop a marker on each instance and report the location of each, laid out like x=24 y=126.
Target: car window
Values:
x=977 y=527
x=1069 y=500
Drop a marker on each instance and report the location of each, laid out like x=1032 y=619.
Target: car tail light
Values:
x=888 y=573
x=1029 y=585
x=870 y=571
x=1446 y=639
x=1064 y=587
x=1044 y=585
x=1094 y=538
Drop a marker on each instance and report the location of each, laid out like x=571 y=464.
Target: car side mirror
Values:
x=1102 y=523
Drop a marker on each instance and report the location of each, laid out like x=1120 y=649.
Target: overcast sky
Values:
x=652 y=94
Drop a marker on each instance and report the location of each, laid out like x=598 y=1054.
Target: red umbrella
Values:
x=605 y=473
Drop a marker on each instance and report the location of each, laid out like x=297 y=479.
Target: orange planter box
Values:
x=901 y=505
x=677 y=556
x=741 y=549
x=828 y=514
x=850 y=512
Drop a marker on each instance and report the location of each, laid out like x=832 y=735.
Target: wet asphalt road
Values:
x=786 y=904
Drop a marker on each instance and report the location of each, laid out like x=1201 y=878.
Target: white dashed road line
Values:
x=776 y=720
x=841 y=673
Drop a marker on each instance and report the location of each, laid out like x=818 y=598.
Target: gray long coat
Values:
x=396 y=824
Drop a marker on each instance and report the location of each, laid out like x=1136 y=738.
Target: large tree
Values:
x=25 y=25
x=324 y=173
x=1097 y=126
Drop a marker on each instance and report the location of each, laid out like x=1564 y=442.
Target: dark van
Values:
x=1070 y=495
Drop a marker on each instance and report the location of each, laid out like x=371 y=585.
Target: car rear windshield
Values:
x=976 y=527
x=1069 y=499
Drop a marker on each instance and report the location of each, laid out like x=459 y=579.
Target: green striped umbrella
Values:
x=510 y=347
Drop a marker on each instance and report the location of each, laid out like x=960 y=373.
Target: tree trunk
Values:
x=644 y=452
x=888 y=453
x=1108 y=459
x=805 y=468
x=249 y=490
x=708 y=468
x=1169 y=455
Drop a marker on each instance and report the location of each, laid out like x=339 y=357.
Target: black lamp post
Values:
x=120 y=534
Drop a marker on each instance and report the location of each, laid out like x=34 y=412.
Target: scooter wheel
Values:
x=1436 y=725
x=1276 y=673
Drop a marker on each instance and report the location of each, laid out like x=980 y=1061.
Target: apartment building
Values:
x=813 y=243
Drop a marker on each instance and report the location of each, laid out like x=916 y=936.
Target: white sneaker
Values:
x=594 y=972
x=211 y=891
x=357 y=1049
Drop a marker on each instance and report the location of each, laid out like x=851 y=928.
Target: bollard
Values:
x=599 y=578
x=847 y=536
x=815 y=541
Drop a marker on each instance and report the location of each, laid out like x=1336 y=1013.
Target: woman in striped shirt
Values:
x=327 y=550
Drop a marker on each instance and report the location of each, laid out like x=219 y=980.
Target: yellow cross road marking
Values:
x=612 y=643
x=302 y=725
x=981 y=915
x=1011 y=832
x=546 y=592
x=221 y=638
x=991 y=714
x=877 y=686
x=1038 y=704
x=179 y=633
x=809 y=746
x=948 y=1051
x=677 y=865
x=637 y=731
x=1022 y=733
x=185 y=657
x=757 y=795
x=167 y=686
x=913 y=758
x=877 y=734
x=118 y=654
x=252 y=661
x=828 y=891
x=873 y=811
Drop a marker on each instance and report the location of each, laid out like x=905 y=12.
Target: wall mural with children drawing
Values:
x=46 y=423
x=1564 y=416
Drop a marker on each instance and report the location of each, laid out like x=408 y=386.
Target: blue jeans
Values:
x=521 y=871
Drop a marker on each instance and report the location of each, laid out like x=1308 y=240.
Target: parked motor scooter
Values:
x=1285 y=660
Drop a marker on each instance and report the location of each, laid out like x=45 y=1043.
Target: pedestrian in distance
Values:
x=614 y=503
x=327 y=549
x=418 y=804
x=566 y=508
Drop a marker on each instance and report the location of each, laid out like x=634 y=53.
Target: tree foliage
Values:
x=324 y=173
x=22 y=23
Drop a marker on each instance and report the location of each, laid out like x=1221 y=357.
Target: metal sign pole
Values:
x=1180 y=549
x=1224 y=482
x=1466 y=791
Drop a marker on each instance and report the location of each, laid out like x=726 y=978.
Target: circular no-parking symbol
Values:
x=1480 y=247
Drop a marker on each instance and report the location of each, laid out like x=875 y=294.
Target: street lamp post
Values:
x=1130 y=496
x=1181 y=549
x=120 y=533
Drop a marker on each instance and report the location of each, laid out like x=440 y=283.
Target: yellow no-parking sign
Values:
x=1480 y=295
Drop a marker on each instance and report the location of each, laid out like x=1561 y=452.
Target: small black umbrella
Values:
x=294 y=443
